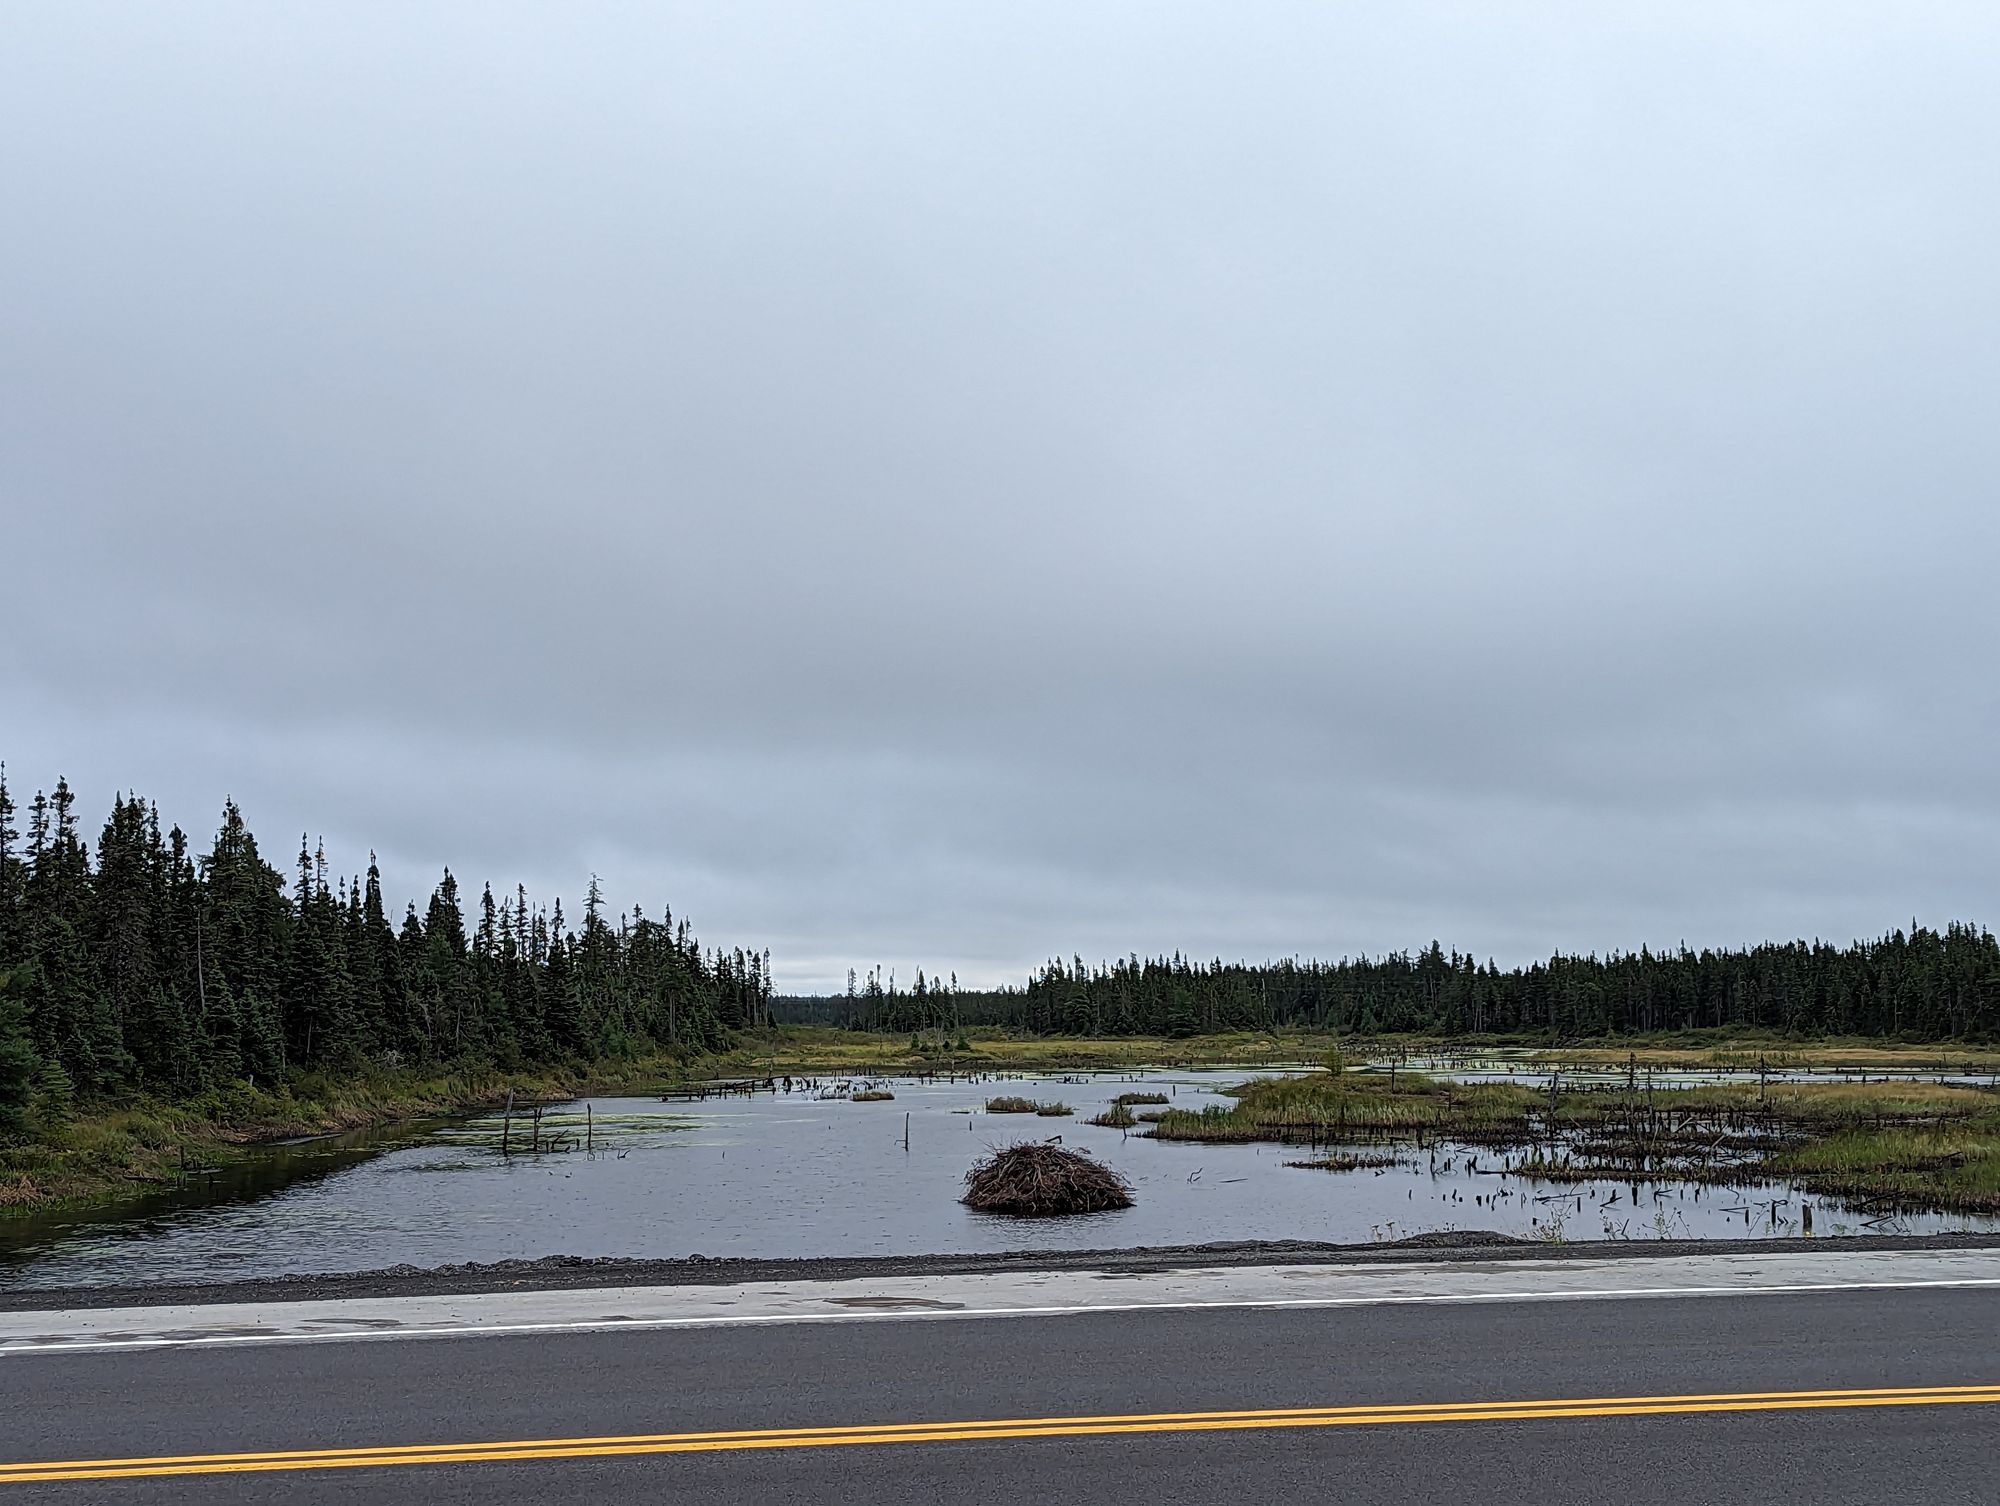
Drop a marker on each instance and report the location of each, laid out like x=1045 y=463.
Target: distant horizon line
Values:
x=1356 y=959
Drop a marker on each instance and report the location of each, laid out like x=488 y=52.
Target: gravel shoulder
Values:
x=572 y=1272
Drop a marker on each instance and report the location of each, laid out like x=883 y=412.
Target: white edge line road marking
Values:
x=719 y=1320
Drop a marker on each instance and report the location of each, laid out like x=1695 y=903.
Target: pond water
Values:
x=795 y=1174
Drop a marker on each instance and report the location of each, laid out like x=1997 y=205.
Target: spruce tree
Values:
x=444 y=977
x=246 y=934
x=74 y=1023
x=128 y=920
x=412 y=961
x=11 y=875
x=20 y=1065
x=562 y=1002
x=394 y=1017
x=316 y=1003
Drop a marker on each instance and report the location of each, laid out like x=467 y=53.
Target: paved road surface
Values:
x=1461 y=1368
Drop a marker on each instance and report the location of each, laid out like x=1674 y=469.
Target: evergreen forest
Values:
x=142 y=964
x=145 y=965
x=1914 y=985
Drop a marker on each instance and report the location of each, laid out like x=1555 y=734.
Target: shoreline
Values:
x=129 y=1152
x=126 y=1152
x=608 y=1273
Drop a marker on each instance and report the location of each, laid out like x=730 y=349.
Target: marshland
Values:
x=1889 y=1146
x=1374 y=1152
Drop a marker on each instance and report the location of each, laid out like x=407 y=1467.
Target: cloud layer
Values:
x=921 y=486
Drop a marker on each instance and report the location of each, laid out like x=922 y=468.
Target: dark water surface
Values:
x=798 y=1175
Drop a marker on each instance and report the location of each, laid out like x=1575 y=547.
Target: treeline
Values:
x=1920 y=985
x=144 y=965
x=1917 y=985
x=930 y=1004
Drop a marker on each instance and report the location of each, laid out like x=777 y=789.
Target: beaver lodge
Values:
x=1039 y=1180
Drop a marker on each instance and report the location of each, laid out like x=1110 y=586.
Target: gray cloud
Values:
x=918 y=485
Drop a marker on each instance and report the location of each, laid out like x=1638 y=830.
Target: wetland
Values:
x=819 y=1166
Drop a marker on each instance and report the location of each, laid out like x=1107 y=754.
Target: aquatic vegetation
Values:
x=1953 y=1166
x=1902 y=1145
x=1010 y=1104
x=1130 y=1100
x=829 y=1050
x=1352 y=1160
x=1323 y=1108
x=871 y=1095
x=1115 y=1117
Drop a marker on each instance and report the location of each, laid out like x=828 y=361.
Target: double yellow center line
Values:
x=44 y=1471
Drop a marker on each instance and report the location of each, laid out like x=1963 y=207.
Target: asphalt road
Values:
x=474 y=1390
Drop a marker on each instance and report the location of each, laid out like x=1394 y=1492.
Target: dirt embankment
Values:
x=576 y=1272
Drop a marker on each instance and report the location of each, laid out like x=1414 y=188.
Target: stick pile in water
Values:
x=1037 y=1180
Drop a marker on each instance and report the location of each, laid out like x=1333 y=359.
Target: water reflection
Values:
x=274 y=1168
x=799 y=1174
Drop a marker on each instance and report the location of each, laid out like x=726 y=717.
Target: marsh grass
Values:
x=1906 y=1145
x=143 y=1145
x=1955 y=1167
x=1357 y=1160
x=1320 y=1108
x=833 y=1051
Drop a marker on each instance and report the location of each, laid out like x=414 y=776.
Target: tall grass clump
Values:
x=1953 y=1167
x=1011 y=1104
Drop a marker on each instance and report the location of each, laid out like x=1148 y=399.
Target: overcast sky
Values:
x=957 y=485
